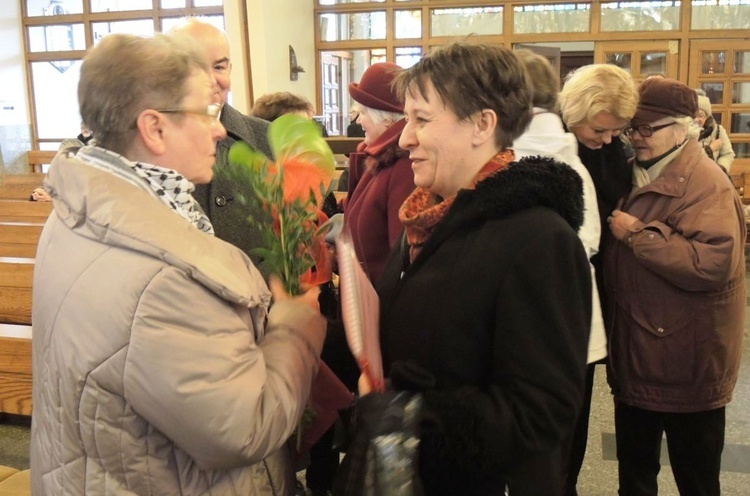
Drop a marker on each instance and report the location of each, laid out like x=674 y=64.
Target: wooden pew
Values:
x=19 y=186
x=343 y=145
x=15 y=369
x=24 y=211
x=16 y=276
x=39 y=158
x=17 y=250
x=24 y=233
x=745 y=188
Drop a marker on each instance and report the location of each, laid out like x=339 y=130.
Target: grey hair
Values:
x=691 y=127
x=381 y=116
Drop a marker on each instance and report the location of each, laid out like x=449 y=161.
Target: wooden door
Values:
x=641 y=58
x=550 y=53
x=722 y=70
x=332 y=85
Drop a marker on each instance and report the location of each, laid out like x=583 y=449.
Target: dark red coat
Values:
x=380 y=179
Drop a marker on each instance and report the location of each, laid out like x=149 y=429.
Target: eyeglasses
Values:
x=211 y=111
x=645 y=130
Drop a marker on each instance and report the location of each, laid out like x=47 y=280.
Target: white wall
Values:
x=273 y=26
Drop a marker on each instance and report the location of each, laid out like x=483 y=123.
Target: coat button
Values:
x=661 y=329
x=220 y=200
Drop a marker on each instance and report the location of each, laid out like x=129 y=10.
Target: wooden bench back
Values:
x=19 y=186
x=24 y=211
x=39 y=158
x=15 y=369
x=343 y=145
x=16 y=276
x=24 y=233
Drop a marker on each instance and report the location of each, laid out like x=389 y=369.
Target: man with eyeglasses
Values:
x=676 y=285
x=217 y=197
x=159 y=367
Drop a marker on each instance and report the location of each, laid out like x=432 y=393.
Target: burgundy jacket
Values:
x=380 y=179
x=677 y=290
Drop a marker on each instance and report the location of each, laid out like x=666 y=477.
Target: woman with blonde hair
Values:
x=597 y=101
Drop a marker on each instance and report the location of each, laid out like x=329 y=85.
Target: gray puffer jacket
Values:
x=152 y=372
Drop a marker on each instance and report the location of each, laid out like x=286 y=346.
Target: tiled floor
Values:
x=599 y=474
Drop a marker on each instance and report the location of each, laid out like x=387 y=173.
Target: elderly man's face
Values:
x=190 y=138
x=217 y=50
x=221 y=66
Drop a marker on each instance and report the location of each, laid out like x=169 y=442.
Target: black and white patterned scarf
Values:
x=175 y=191
x=168 y=185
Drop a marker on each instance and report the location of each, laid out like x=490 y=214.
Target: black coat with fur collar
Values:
x=496 y=308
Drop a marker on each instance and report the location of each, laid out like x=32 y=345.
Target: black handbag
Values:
x=382 y=454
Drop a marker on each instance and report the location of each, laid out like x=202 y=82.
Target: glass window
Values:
x=408 y=56
x=740 y=122
x=641 y=16
x=741 y=150
x=208 y=3
x=120 y=5
x=168 y=23
x=714 y=92
x=622 y=60
x=336 y=2
x=172 y=4
x=356 y=26
x=720 y=14
x=465 y=21
x=552 y=18
x=36 y=8
x=142 y=27
x=741 y=93
x=713 y=62
x=408 y=24
x=653 y=63
x=55 y=90
x=742 y=62
x=57 y=38
x=50 y=146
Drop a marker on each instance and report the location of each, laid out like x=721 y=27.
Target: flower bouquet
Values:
x=290 y=191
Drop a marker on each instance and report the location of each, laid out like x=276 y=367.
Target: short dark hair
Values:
x=271 y=106
x=470 y=78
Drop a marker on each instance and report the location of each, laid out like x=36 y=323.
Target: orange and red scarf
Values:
x=423 y=210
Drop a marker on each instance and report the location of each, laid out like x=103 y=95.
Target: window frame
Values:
x=88 y=18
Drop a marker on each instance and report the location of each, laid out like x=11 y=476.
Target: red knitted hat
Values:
x=374 y=89
x=664 y=97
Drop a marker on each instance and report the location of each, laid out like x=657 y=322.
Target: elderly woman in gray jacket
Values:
x=157 y=366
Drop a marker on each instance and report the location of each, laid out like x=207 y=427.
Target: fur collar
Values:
x=532 y=181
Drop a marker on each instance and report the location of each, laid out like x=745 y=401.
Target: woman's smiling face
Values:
x=599 y=131
x=438 y=143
